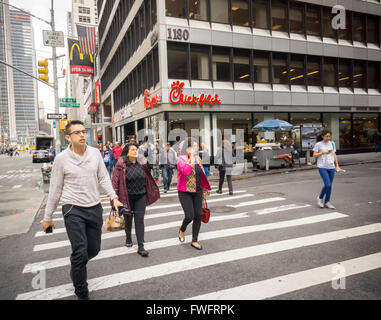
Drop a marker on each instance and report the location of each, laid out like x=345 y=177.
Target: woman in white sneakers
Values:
x=325 y=153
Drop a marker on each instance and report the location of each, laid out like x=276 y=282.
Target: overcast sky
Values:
x=41 y=8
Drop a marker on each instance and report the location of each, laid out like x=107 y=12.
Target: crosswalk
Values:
x=235 y=235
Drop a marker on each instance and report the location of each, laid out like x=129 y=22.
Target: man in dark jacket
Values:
x=167 y=161
x=224 y=162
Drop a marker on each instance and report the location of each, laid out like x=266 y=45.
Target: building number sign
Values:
x=178 y=34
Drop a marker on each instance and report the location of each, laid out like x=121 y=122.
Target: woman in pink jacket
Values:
x=192 y=187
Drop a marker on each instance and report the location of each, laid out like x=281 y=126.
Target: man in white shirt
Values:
x=77 y=172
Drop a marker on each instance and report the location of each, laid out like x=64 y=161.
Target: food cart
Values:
x=271 y=153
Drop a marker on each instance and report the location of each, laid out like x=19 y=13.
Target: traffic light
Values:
x=44 y=72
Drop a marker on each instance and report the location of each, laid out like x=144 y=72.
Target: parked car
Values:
x=40 y=156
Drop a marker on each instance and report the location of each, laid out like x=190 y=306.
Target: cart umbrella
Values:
x=273 y=125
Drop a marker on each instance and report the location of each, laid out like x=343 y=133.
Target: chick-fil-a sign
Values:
x=176 y=96
x=150 y=102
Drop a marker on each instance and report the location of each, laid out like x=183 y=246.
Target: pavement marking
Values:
x=17 y=186
x=60 y=262
x=295 y=281
x=212 y=195
x=155 y=271
x=249 y=203
x=281 y=208
x=116 y=234
x=165 y=206
x=147 y=216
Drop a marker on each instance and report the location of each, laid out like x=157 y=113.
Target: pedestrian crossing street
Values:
x=244 y=216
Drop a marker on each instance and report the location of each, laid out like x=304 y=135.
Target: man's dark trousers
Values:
x=84 y=229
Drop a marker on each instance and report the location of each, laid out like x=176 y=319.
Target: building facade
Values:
x=230 y=64
x=84 y=12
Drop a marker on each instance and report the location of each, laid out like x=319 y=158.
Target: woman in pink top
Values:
x=192 y=186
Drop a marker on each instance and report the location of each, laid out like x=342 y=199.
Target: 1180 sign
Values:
x=178 y=34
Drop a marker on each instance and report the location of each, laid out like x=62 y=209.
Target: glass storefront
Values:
x=349 y=131
x=364 y=125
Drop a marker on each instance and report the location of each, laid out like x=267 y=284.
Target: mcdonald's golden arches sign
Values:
x=79 y=63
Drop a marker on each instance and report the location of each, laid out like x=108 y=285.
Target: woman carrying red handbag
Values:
x=193 y=187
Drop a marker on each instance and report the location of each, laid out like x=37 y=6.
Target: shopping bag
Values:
x=205 y=212
x=114 y=222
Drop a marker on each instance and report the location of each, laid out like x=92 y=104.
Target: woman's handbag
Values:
x=205 y=213
x=114 y=222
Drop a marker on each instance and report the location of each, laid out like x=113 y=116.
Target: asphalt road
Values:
x=21 y=193
x=282 y=246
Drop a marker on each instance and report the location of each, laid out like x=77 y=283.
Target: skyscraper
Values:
x=18 y=92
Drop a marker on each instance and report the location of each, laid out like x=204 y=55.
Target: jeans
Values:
x=167 y=176
x=222 y=177
x=84 y=229
x=327 y=176
x=192 y=206
x=155 y=172
x=206 y=169
x=138 y=206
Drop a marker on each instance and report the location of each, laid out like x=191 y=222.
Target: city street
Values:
x=267 y=241
x=21 y=193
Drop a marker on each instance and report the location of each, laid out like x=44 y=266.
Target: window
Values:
x=84 y=10
x=220 y=11
x=313 y=71
x=373 y=29
x=261 y=67
x=150 y=71
x=242 y=65
x=359 y=74
x=199 y=62
x=260 y=13
x=359 y=27
x=144 y=71
x=373 y=75
x=296 y=17
x=346 y=34
x=345 y=73
x=84 y=19
x=330 y=72
x=240 y=12
x=177 y=60
x=221 y=64
x=175 y=8
x=279 y=15
x=297 y=70
x=156 y=65
x=198 y=10
x=280 y=73
x=328 y=31
x=313 y=20
x=142 y=25
x=153 y=13
x=362 y=123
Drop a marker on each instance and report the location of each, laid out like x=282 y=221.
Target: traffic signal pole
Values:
x=56 y=99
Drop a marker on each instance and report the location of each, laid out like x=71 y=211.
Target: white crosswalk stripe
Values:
x=295 y=281
x=245 y=215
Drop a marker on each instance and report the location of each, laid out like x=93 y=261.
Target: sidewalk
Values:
x=344 y=160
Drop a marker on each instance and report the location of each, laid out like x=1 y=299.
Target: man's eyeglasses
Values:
x=79 y=132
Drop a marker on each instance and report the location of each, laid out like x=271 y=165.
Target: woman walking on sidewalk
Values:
x=135 y=188
x=325 y=153
x=192 y=186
